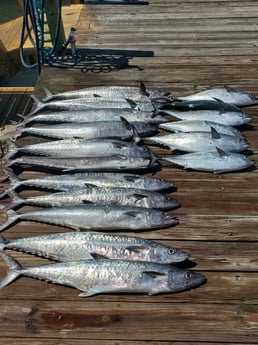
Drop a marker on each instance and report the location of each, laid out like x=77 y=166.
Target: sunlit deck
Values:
x=195 y=45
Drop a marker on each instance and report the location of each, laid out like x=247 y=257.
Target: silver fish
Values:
x=71 y=148
x=199 y=126
x=94 y=115
x=96 y=217
x=120 y=129
x=105 y=163
x=217 y=161
x=229 y=118
x=131 y=92
x=69 y=182
x=92 y=103
x=97 y=195
x=201 y=141
x=226 y=94
x=93 y=277
x=90 y=244
x=215 y=104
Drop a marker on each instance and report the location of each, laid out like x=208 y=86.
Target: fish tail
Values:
x=2 y=243
x=15 y=182
x=11 y=217
x=39 y=105
x=11 y=148
x=6 y=164
x=153 y=159
x=48 y=93
x=16 y=200
x=14 y=269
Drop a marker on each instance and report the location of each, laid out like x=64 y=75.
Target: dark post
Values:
x=51 y=7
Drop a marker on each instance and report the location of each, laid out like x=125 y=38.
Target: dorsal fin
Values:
x=230 y=89
x=214 y=133
x=221 y=152
x=143 y=90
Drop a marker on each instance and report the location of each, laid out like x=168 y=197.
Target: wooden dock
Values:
x=196 y=45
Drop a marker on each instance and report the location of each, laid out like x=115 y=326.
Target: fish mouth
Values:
x=169 y=219
x=197 y=279
x=247 y=119
x=171 y=204
x=183 y=256
x=180 y=256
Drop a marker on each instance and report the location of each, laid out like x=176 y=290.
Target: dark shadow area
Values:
x=115 y=2
x=97 y=60
x=12 y=104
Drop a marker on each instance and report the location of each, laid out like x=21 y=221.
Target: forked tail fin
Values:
x=11 y=148
x=15 y=182
x=13 y=272
x=49 y=94
x=12 y=216
x=15 y=202
x=39 y=105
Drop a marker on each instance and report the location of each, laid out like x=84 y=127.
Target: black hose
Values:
x=37 y=23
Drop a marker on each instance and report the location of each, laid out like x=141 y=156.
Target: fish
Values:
x=90 y=103
x=97 y=195
x=99 y=276
x=120 y=129
x=135 y=93
x=199 y=126
x=93 y=115
x=217 y=161
x=71 y=148
x=226 y=94
x=214 y=104
x=96 y=217
x=106 y=163
x=69 y=182
x=201 y=141
x=92 y=244
x=229 y=118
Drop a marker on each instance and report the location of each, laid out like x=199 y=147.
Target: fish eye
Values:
x=167 y=198
x=171 y=251
x=188 y=275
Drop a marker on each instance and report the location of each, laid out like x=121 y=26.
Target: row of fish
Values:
x=217 y=137
x=206 y=129
x=95 y=262
x=137 y=265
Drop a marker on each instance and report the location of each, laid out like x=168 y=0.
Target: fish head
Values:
x=158 y=184
x=240 y=142
x=243 y=118
x=167 y=255
x=149 y=218
x=159 y=219
x=180 y=279
x=245 y=162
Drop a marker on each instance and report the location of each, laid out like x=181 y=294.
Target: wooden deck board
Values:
x=196 y=45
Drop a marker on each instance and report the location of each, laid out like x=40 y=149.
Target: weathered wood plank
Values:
x=196 y=45
x=56 y=341
x=128 y=320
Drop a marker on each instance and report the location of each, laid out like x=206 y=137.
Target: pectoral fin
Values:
x=98 y=256
x=90 y=292
x=154 y=274
x=136 y=249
